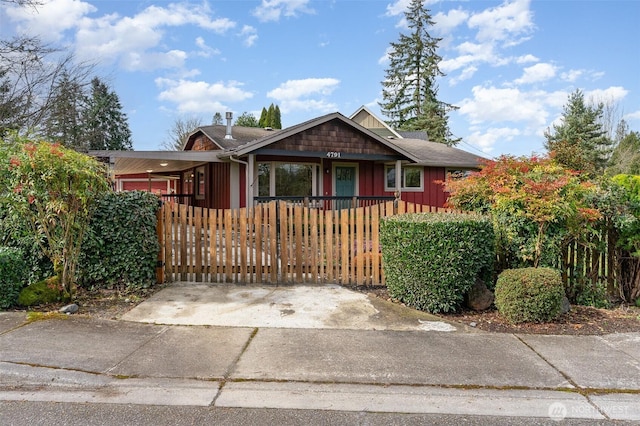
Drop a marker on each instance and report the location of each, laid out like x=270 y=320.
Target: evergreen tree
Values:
x=270 y=113
x=64 y=121
x=106 y=126
x=626 y=155
x=247 y=120
x=276 y=120
x=263 y=118
x=10 y=106
x=579 y=142
x=217 y=119
x=410 y=91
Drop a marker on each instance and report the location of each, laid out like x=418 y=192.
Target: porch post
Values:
x=251 y=190
x=398 y=179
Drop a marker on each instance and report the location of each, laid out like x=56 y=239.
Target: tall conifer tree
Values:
x=579 y=142
x=107 y=127
x=64 y=120
x=410 y=92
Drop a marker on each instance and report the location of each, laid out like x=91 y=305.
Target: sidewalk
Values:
x=78 y=359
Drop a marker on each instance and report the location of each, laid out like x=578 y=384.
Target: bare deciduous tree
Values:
x=177 y=134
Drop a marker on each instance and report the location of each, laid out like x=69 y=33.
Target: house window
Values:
x=412 y=178
x=187 y=183
x=458 y=173
x=199 y=183
x=285 y=179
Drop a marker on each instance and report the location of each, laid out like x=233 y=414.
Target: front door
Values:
x=345 y=184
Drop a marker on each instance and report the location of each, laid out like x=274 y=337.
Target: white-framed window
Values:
x=458 y=173
x=287 y=179
x=412 y=178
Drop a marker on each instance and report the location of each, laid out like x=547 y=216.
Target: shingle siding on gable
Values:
x=332 y=136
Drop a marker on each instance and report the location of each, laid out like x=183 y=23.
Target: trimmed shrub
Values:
x=431 y=260
x=43 y=292
x=12 y=275
x=121 y=247
x=529 y=294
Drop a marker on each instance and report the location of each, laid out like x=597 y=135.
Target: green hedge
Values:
x=121 y=247
x=12 y=275
x=431 y=260
x=529 y=294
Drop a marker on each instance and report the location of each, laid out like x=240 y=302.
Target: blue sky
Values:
x=510 y=65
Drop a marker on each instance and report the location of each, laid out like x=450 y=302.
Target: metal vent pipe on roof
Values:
x=229 y=117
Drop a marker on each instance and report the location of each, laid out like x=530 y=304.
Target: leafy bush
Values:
x=535 y=204
x=121 y=246
x=431 y=260
x=529 y=294
x=11 y=275
x=593 y=295
x=15 y=231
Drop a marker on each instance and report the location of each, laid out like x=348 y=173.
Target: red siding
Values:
x=433 y=195
x=219 y=190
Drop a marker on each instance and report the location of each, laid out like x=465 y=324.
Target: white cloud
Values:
x=507 y=23
x=397 y=8
x=571 y=75
x=136 y=41
x=250 y=35
x=490 y=104
x=51 y=19
x=486 y=140
x=632 y=116
x=307 y=94
x=146 y=61
x=536 y=73
x=445 y=22
x=200 y=96
x=526 y=59
x=205 y=50
x=612 y=95
x=272 y=10
x=466 y=74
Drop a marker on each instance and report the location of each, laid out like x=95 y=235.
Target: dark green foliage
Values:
x=626 y=154
x=247 y=120
x=529 y=294
x=105 y=125
x=431 y=260
x=42 y=293
x=12 y=277
x=410 y=90
x=121 y=246
x=16 y=232
x=63 y=123
x=271 y=117
x=580 y=141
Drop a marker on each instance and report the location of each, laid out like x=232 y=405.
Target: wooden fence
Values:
x=276 y=242
x=280 y=242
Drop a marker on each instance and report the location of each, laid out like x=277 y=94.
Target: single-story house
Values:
x=225 y=166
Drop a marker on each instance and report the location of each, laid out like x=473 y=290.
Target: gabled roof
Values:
x=217 y=132
x=438 y=154
x=290 y=131
x=368 y=119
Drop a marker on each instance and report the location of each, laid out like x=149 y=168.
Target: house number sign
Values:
x=333 y=154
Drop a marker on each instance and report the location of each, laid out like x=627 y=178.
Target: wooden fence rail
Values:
x=276 y=242
x=280 y=242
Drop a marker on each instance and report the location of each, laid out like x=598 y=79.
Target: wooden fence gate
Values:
x=275 y=243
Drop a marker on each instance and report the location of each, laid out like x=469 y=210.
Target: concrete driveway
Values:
x=292 y=306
